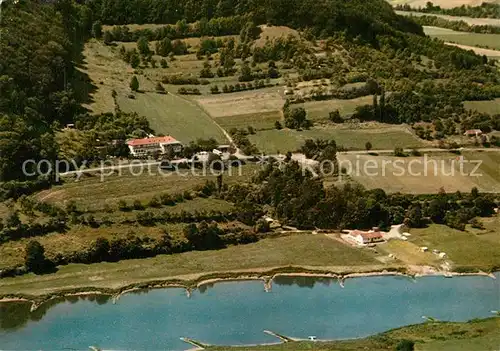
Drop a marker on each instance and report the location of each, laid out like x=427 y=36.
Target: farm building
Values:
x=363 y=238
x=473 y=132
x=146 y=146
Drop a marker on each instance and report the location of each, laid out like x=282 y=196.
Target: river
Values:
x=235 y=313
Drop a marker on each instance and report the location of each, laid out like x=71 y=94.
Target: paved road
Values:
x=296 y=157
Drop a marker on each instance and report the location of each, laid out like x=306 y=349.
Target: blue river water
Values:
x=235 y=313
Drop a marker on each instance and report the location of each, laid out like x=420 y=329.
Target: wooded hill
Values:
x=324 y=17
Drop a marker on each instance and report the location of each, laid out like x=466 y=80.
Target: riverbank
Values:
x=475 y=335
x=190 y=282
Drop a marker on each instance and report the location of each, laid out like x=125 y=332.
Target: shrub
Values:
x=154 y=202
x=134 y=84
x=167 y=200
x=138 y=205
x=399 y=152
x=122 y=205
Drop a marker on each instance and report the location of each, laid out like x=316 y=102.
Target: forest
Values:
x=39 y=46
x=324 y=17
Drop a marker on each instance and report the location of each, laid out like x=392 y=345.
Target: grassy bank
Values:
x=472 y=248
x=312 y=252
x=477 y=335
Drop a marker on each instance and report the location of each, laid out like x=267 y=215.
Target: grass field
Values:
x=243 y=103
x=417 y=175
x=480 y=335
x=173 y=115
x=381 y=137
x=490 y=41
x=301 y=249
x=490 y=107
x=409 y=253
x=445 y=4
x=259 y=121
x=107 y=73
x=92 y=192
x=317 y=110
x=469 y=20
x=464 y=248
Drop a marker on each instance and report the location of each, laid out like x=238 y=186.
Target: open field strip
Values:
x=483 y=41
x=469 y=20
x=416 y=175
x=258 y=121
x=317 y=110
x=445 y=4
x=173 y=115
x=490 y=106
x=299 y=250
x=107 y=73
x=93 y=192
x=381 y=137
x=242 y=103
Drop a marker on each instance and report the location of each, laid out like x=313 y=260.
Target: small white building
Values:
x=363 y=238
x=146 y=146
x=473 y=132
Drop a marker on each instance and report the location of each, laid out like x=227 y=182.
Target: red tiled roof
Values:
x=474 y=131
x=155 y=140
x=367 y=235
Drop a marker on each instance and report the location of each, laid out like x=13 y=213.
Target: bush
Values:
x=134 y=84
x=188 y=91
x=122 y=205
x=138 y=205
x=167 y=200
x=180 y=80
x=154 y=202
x=399 y=152
x=405 y=345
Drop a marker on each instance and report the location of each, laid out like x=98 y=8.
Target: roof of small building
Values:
x=367 y=235
x=154 y=140
x=473 y=131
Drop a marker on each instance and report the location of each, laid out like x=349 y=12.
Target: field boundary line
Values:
x=199 y=106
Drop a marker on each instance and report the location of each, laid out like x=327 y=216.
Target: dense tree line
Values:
x=485 y=10
x=215 y=27
x=298 y=198
x=357 y=17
